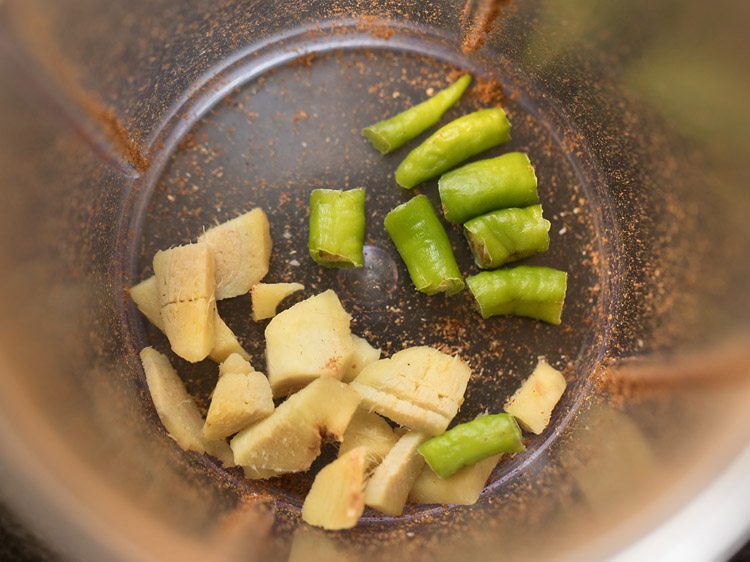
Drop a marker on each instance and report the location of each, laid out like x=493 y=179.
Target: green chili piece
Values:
x=487 y=185
x=452 y=144
x=337 y=227
x=421 y=240
x=507 y=235
x=526 y=290
x=388 y=135
x=469 y=443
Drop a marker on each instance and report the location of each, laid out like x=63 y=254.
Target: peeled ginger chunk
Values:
x=185 y=287
x=533 y=402
x=336 y=499
x=420 y=388
x=463 y=488
x=289 y=439
x=309 y=340
x=394 y=477
x=362 y=355
x=145 y=295
x=371 y=432
x=176 y=408
x=146 y=298
x=242 y=250
x=267 y=296
x=242 y=396
x=226 y=343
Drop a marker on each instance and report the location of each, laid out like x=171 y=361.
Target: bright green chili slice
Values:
x=388 y=135
x=471 y=442
x=507 y=235
x=488 y=185
x=452 y=144
x=337 y=227
x=421 y=240
x=526 y=290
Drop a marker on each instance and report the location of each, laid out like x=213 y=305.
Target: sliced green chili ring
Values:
x=450 y=145
x=472 y=442
x=526 y=290
x=488 y=185
x=337 y=227
x=390 y=134
x=423 y=244
x=507 y=235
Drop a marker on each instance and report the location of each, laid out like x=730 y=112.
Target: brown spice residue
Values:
x=117 y=134
x=488 y=92
x=305 y=61
x=374 y=27
x=477 y=22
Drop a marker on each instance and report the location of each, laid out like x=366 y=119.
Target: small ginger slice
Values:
x=220 y=449
x=242 y=396
x=368 y=430
x=185 y=286
x=362 y=355
x=336 y=498
x=145 y=295
x=533 y=402
x=242 y=250
x=309 y=340
x=394 y=477
x=289 y=439
x=226 y=343
x=463 y=488
x=176 y=408
x=420 y=388
x=146 y=298
x=267 y=296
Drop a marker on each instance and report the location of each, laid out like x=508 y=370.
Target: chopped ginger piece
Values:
x=368 y=430
x=463 y=488
x=267 y=296
x=289 y=439
x=420 y=388
x=185 y=286
x=362 y=355
x=146 y=298
x=394 y=477
x=176 y=408
x=533 y=402
x=242 y=250
x=242 y=397
x=336 y=499
x=309 y=340
x=145 y=295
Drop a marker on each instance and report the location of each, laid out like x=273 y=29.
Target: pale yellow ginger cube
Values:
x=362 y=355
x=242 y=250
x=420 y=388
x=289 y=439
x=336 y=498
x=368 y=430
x=146 y=298
x=533 y=402
x=176 y=408
x=311 y=339
x=242 y=397
x=267 y=296
x=393 y=479
x=463 y=488
x=185 y=287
